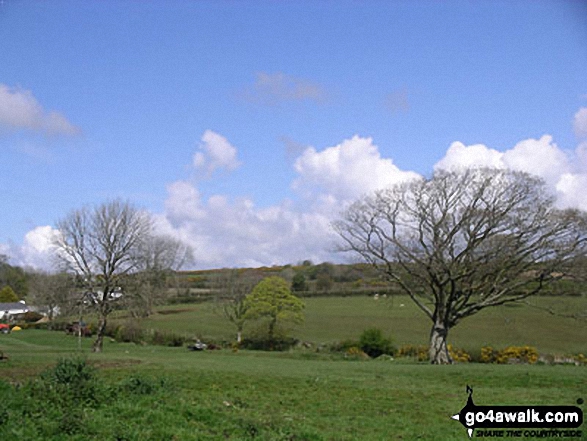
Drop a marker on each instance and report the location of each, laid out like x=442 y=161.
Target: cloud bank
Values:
x=231 y=231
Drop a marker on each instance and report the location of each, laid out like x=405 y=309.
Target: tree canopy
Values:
x=271 y=298
x=13 y=276
x=7 y=295
x=465 y=240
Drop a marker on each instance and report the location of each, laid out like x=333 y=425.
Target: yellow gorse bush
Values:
x=458 y=355
x=511 y=354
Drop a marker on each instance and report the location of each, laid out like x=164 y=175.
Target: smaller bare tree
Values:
x=53 y=293
x=232 y=289
x=158 y=260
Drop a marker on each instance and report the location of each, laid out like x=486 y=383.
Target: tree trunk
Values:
x=272 y=328
x=438 y=351
x=97 y=346
x=239 y=336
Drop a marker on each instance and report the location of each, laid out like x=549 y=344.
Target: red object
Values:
x=4 y=326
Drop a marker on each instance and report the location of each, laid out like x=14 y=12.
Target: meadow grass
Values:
x=282 y=396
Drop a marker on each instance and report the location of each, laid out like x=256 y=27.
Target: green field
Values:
x=330 y=319
x=295 y=395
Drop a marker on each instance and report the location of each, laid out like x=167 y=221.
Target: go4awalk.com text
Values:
x=528 y=433
x=520 y=421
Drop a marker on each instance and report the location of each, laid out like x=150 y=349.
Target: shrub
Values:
x=111 y=329
x=374 y=344
x=344 y=346
x=71 y=381
x=167 y=339
x=131 y=332
x=419 y=352
x=459 y=355
x=518 y=354
x=580 y=358
x=355 y=353
x=511 y=354
x=488 y=355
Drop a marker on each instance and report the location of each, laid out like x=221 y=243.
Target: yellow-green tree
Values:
x=7 y=295
x=272 y=299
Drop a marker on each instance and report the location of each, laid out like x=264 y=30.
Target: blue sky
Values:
x=245 y=127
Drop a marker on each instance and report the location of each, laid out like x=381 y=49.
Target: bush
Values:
x=419 y=352
x=167 y=339
x=509 y=355
x=344 y=346
x=459 y=355
x=131 y=332
x=71 y=381
x=373 y=343
x=355 y=353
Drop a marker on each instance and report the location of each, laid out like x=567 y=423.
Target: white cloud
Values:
x=234 y=232
x=564 y=172
x=272 y=89
x=227 y=232
x=19 y=110
x=571 y=190
x=540 y=157
x=36 y=250
x=580 y=122
x=215 y=153
x=460 y=156
x=347 y=170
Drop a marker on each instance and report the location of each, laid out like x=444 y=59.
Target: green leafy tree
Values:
x=298 y=283
x=272 y=299
x=13 y=276
x=7 y=295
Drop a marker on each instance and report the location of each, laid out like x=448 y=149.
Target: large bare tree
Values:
x=465 y=240
x=101 y=246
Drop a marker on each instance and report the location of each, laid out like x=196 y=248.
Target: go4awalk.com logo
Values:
x=520 y=421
